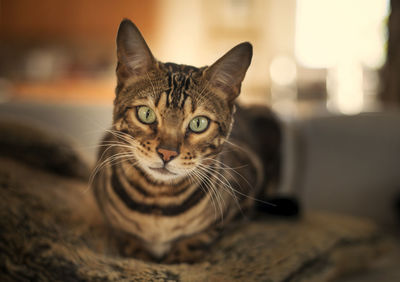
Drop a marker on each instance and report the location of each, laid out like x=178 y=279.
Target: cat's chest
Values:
x=157 y=219
x=160 y=229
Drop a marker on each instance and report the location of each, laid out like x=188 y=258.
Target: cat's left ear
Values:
x=225 y=76
x=134 y=56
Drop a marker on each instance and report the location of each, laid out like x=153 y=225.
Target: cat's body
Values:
x=173 y=178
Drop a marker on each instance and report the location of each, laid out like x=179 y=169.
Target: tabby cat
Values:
x=174 y=169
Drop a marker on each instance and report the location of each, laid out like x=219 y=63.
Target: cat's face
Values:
x=175 y=118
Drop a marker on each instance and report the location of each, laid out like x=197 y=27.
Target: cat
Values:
x=175 y=169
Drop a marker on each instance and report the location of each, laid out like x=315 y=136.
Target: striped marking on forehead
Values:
x=178 y=85
x=185 y=104
x=179 y=78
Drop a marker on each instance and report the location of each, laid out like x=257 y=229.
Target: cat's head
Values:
x=177 y=117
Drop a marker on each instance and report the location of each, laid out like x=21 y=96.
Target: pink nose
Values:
x=167 y=155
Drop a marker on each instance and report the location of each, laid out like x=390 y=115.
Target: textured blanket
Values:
x=51 y=230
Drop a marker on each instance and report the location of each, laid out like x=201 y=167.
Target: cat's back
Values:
x=258 y=129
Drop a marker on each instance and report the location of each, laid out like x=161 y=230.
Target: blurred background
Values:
x=328 y=68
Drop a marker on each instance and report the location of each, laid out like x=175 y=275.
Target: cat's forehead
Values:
x=176 y=86
x=181 y=84
x=179 y=69
x=177 y=81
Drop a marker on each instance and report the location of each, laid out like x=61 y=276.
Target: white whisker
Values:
x=225 y=184
x=211 y=185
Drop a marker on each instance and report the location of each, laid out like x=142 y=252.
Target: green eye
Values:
x=198 y=124
x=146 y=115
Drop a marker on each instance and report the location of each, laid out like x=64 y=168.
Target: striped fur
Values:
x=162 y=204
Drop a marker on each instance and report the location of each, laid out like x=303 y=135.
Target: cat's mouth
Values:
x=162 y=170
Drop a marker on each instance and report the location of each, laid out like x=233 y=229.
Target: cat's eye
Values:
x=146 y=115
x=198 y=124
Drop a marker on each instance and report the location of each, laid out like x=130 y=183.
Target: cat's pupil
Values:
x=198 y=122
x=147 y=114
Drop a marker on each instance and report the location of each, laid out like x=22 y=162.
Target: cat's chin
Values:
x=162 y=170
x=163 y=174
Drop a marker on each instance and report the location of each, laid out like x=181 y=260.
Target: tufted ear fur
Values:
x=134 y=56
x=225 y=76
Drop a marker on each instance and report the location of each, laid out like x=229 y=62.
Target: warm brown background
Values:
x=76 y=21
x=79 y=37
x=83 y=31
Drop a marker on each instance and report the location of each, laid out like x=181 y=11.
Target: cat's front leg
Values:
x=192 y=249
x=126 y=245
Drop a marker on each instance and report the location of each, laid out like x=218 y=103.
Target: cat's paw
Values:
x=191 y=249
x=134 y=248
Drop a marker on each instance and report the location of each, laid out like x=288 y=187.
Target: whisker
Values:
x=192 y=175
x=211 y=186
x=250 y=197
x=234 y=145
x=213 y=195
x=226 y=168
x=224 y=183
x=110 y=161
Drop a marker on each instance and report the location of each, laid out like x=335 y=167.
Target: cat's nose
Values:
x=167 y=155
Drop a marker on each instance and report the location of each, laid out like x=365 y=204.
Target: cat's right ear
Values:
x=225 y=76
x=134 y=56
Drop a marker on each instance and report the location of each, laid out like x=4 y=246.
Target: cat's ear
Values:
x=134 y=56
x=225 y=76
